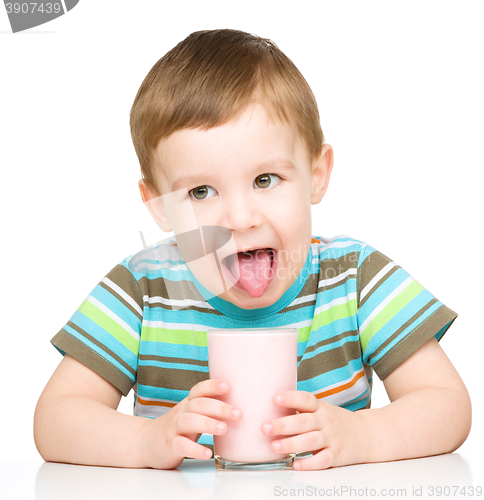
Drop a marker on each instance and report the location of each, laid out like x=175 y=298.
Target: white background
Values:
x=399 y=87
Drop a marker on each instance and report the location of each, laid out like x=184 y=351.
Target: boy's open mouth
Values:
x=256 y=269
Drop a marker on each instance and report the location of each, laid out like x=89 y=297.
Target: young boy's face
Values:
x=253 y=176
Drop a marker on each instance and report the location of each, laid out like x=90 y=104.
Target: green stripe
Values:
x=172 y=336
x=110 y=325
x=303 y=333
x=339 y=311
x=390 y=311
x=189 y=337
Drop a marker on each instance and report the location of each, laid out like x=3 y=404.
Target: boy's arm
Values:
x=430 y=413
x=76 y=422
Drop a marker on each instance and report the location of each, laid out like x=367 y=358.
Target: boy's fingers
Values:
x=291 y=425
x=187 y=448
x=299 y=400
x=319 y=461
x=194 y=423
x=208 y=388
x=214 y=408
x=304 y=442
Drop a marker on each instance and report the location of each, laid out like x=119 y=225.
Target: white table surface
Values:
x=197 y=479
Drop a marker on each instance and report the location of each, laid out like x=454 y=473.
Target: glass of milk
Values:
x=258 y=363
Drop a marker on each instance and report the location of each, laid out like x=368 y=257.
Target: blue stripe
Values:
x=173 y=366
x=395 y=323
x=112 y=303
x=205 y=439
x=183 y=351
x=147 y=391
x=381 y=293
x=373 y=345
x=341 y=291
x=334 y=328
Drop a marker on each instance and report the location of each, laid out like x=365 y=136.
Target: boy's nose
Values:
x=241 y=214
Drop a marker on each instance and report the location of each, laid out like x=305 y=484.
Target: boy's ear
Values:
x=321 y=171
x=155 y=206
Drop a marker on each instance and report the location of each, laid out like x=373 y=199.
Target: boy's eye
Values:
x=200 y=192
x=261 y=181
x=264 y=180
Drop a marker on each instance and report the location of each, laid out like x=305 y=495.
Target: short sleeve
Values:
x=104 y=332
x=396 y=314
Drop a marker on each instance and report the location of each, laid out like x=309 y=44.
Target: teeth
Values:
x=230 y=258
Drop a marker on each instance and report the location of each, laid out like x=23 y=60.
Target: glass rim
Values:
x=250 y=331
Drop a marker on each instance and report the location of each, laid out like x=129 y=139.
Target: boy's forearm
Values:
x=422 y=423
x=80 y=430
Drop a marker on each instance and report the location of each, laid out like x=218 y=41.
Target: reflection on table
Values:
x=198 y=479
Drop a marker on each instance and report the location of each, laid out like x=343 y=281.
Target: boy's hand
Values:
x=168 y=439
x=334 y=435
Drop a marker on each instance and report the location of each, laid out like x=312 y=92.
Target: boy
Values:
x=228 y=136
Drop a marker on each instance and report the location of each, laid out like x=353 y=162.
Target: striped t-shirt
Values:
x=144 y=326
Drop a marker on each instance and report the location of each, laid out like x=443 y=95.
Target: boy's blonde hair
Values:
x=211 y=76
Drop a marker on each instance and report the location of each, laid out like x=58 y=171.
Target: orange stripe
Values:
x=314 y=240
x=155 y=403
x=341 y=388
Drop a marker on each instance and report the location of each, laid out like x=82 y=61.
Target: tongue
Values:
x=255 y=271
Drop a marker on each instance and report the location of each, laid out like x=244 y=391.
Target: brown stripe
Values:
x=330 y=340
x=102 y=347
x=327 y=361
x=125 y=280
x=337 y=284
x=70 y=345
x=443 y=317
x=297 y=306
x=328 y=269
x=183 y=291
x=122 y=300
x=309 y=288
x=369 y=268
x=169 y=378
x=376 y=285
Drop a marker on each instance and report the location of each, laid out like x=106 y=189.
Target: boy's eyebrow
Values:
x=271 y=165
